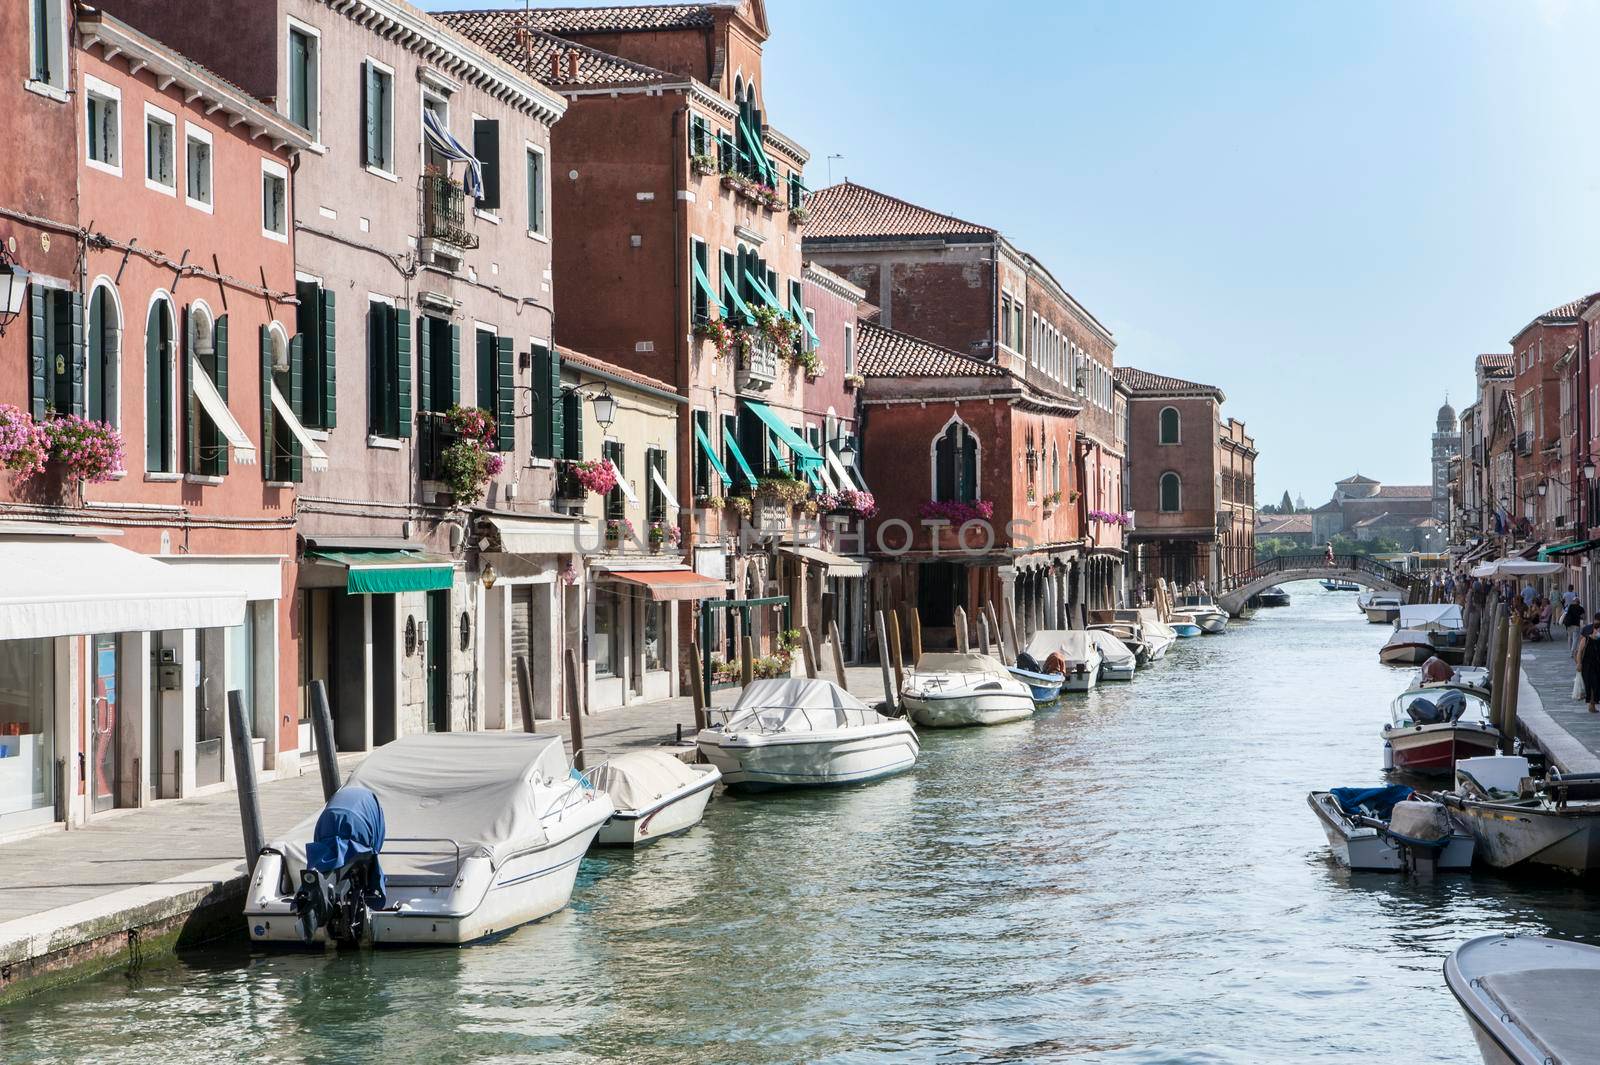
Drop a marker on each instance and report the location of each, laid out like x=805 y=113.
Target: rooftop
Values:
x=1405 y=491
x=848 y=210
x=883 y=352
x=1283 y=524
x=1356 y=479
x=579 y=361
x=617 y=19
x=521 y=41
x=1139 y=382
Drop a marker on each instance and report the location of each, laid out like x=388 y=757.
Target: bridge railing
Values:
x=1313 y=562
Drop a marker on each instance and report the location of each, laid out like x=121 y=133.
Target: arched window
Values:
x=1169 y=425
x=955 y=464
x=1055 y=469
x=103 y=340
x=159 y=415
x=1171 y=493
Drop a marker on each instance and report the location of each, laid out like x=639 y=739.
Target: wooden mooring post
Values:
x=914 y=619
x=697 y=688
x=891 y=691
x=962 y=643
x=1507 y=722
x=525 y=686
x=244 y=768
x=575 y=707
x=747 y=661
x=322 y=729
x=838 y=654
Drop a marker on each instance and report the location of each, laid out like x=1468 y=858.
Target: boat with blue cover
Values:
x=1046 y=687
x=1389 y=829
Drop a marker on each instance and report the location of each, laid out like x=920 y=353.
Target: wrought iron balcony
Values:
x=444 y=212
x=759 y=369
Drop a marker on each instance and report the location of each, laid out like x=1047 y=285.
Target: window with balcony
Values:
x=159 y=151
x=103 y=126
x=305 y=78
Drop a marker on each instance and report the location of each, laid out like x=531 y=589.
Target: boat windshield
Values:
x=1440 y=705
x=798 y=718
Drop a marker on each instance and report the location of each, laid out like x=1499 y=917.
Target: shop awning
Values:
x=738 y=456
x=711 y=456
x=848 y=478
x=536 y=536
x=661 y=486
x=216 y=408
x=670 y=585
x=71 y=585
x=1570 y=547
x=387 y=572
x=803 y=451
x=313 y=453
x=836 y=565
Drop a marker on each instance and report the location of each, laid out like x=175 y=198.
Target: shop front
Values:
x=633 y=635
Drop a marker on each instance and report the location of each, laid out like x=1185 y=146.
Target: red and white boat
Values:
x=1435 y=725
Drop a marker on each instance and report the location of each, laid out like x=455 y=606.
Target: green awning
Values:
x=800 y=316
x=811 y=475
x=803 y=451
x=738 y=302
x=777 y=455
x=704 y=284
x=711 y=456
x=387 y=572
x=763 y=291
x=738 y=457
x=758 y=152
x=1570 y=547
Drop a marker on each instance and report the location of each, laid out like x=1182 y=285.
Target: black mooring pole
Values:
x=244 y=768
x=322 y=726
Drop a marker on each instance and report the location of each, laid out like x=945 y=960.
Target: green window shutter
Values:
x=402 y=363
x=424 y=363
x=505 y=411
x=217 y=443
x=268 y=416
x=307 y=325
x=371 y=147
x=572 y=426
x=566 y=420
x=94 y=342
x=296 y=398
x=483 y=347
x=330 y=363
x=486 y=146
x=78 y=359
x=377 y=361
x=39 y=358
x=546 y=440
x=191 y=407
x=455 y=366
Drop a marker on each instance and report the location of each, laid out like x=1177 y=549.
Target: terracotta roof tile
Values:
x=1405 y=491
x=1284 y=524
x=579 y=360
x=850 y=210
x=507 y=35
x=883 y=352
x=1137 y=381
x=624 y=18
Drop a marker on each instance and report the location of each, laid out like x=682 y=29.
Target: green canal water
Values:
x=1134 y=877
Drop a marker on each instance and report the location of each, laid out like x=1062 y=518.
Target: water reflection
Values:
x=1133 y=877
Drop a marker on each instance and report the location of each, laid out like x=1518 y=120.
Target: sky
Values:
x=1326 y=210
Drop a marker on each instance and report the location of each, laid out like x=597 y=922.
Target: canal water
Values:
x=1134 y=877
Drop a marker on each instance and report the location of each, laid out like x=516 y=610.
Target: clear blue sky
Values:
x=1326 y=210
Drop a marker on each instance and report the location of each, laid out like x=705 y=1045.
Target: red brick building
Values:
x=1543 y=362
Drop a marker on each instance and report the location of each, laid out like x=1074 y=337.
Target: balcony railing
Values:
x=434 y=435
x=444 y=212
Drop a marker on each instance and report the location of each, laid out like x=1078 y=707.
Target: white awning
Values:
x=314 y=454
x=661 y=486
x=622 y=483
x=70 y=586
x=537 y=536
x=843 y=472
x=835 y=565
x=244 y=449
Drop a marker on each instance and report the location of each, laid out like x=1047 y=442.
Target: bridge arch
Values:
x=1237 y=589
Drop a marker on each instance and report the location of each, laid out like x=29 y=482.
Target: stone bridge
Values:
x=1237 y=589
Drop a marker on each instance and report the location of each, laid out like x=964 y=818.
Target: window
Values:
x=103 y=125
x=700 y=305
x=702 y=465
x=606 y=647
x=655 y=501
x=849 y=350
x=1005 y=319
x=377 y=108
x=388 y=370
x=315 y=324
x=616 y=502
x=486 y=148
x=158 y=354
x=274 y=201
x=488 y=375
x=305 y=78
x=438 y=364
x=197 y=168
x=47 y=54
x=56 y=367
x=536 y=212
x=699 y=136
x=1169 y=425
x=158 y=151
x=655 y=628
x=104 y=340
x=1171 y=493
x=955 y=464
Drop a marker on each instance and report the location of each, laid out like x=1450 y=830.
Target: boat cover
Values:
x=1403 y=636
x=1422 y=615
x=1113 y=650
x=637 y=779
x=956 y=662
x=1374 y=802
x=799 y=704
x=784 y=692
x=1073 y=645
x=349 y=828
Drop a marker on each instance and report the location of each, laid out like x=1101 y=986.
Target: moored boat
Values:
x=954 y=690
x=1553 y=823
x=1274 y=596
x=1530 y=1000
x=656 y=794
x=1045 y=687
x=1406 y=647
x=1117 y=660
x=1389 y=829
x=1184 y=625
x=1383 y=610
x=1211 y=618
x=1433 y=726
x=1070 y=652
x=797 y=732
x=1158 y=635
x=1441 y=626
x=1333 y=585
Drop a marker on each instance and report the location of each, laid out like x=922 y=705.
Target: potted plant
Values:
x=854 y=380
x=85 y=450
x=787 y=490
x=718 y=332
x=664 y=534
x=702 y=164
x=594 y=476
x=739 y=505
x=616 y=529
x=24 y=445
x=798 y=215
x=811 y=362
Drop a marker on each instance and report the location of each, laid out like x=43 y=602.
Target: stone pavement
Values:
x=1562 y=725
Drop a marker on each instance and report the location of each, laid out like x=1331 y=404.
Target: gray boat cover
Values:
x=794 y=704
x=956 y=662
x=638 y=779
x=1113 y=650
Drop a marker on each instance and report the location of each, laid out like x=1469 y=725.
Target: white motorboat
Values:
x=1554 y=822
x=953 y=690
x=1070 y=652
x=1433 y=726
x=656 y=794
x=1391 y=829
x=1158 y=635
x=1334 y=584
x=1205 y=612
x=793 y=732
x=1406 y=647
x=442 y=838
x=1382 y=610
x=1440 y=624
x=1117 y=659
x=1530 y=1000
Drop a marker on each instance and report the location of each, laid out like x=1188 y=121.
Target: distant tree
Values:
x=1286 y=505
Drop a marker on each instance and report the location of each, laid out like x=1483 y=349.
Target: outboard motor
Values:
x=1452 y=704
x=1029 y=663
x=1423 y=711
x=342 y=880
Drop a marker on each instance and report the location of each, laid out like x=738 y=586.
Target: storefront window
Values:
x=27 y=725
x=655 y=627
x=607 y=633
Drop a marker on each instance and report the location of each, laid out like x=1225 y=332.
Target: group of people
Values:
x=1583 y=641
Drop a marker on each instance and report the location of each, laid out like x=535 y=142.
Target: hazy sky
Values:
x=1326 y=210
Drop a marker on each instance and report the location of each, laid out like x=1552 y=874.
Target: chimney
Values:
x=555 y=66
x=572 y=65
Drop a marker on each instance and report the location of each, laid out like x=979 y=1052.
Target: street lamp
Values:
x=847 y=450
x=13 y=289
x=1542 y=487
x=605 y=407
x=1588 y=470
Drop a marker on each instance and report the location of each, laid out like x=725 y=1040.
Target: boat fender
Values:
x=1388 y=756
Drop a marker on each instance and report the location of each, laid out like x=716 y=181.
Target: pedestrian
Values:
x=1529 y=593
x=1327 y=556
x=1572 y=621
x=1588 y=660
x=1568 y=597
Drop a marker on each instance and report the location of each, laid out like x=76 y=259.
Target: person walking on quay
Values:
x=1568 y=597
x=1572 y=620
x=1588 y=660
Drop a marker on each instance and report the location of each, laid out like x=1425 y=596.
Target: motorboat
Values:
x=1440 y=624
x=1211 y=618
x=794 y=731
x=1129 y=627
x=1117 y=660
x=953 y=689
x=1158 y=635
x=1383 y=610
x=1554 y=822
x=1433 y=726
x=1183 y=625
x=1530 y=1000
x=1046 y=687
x=437 y=838
x=1334 y=585
x=1068 y=651
x=1390 y=829
x=1406 y=647
x=656 y=794
x=1274 y=596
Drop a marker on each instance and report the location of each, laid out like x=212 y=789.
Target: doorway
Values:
x=105 y=721
x=437 y=662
